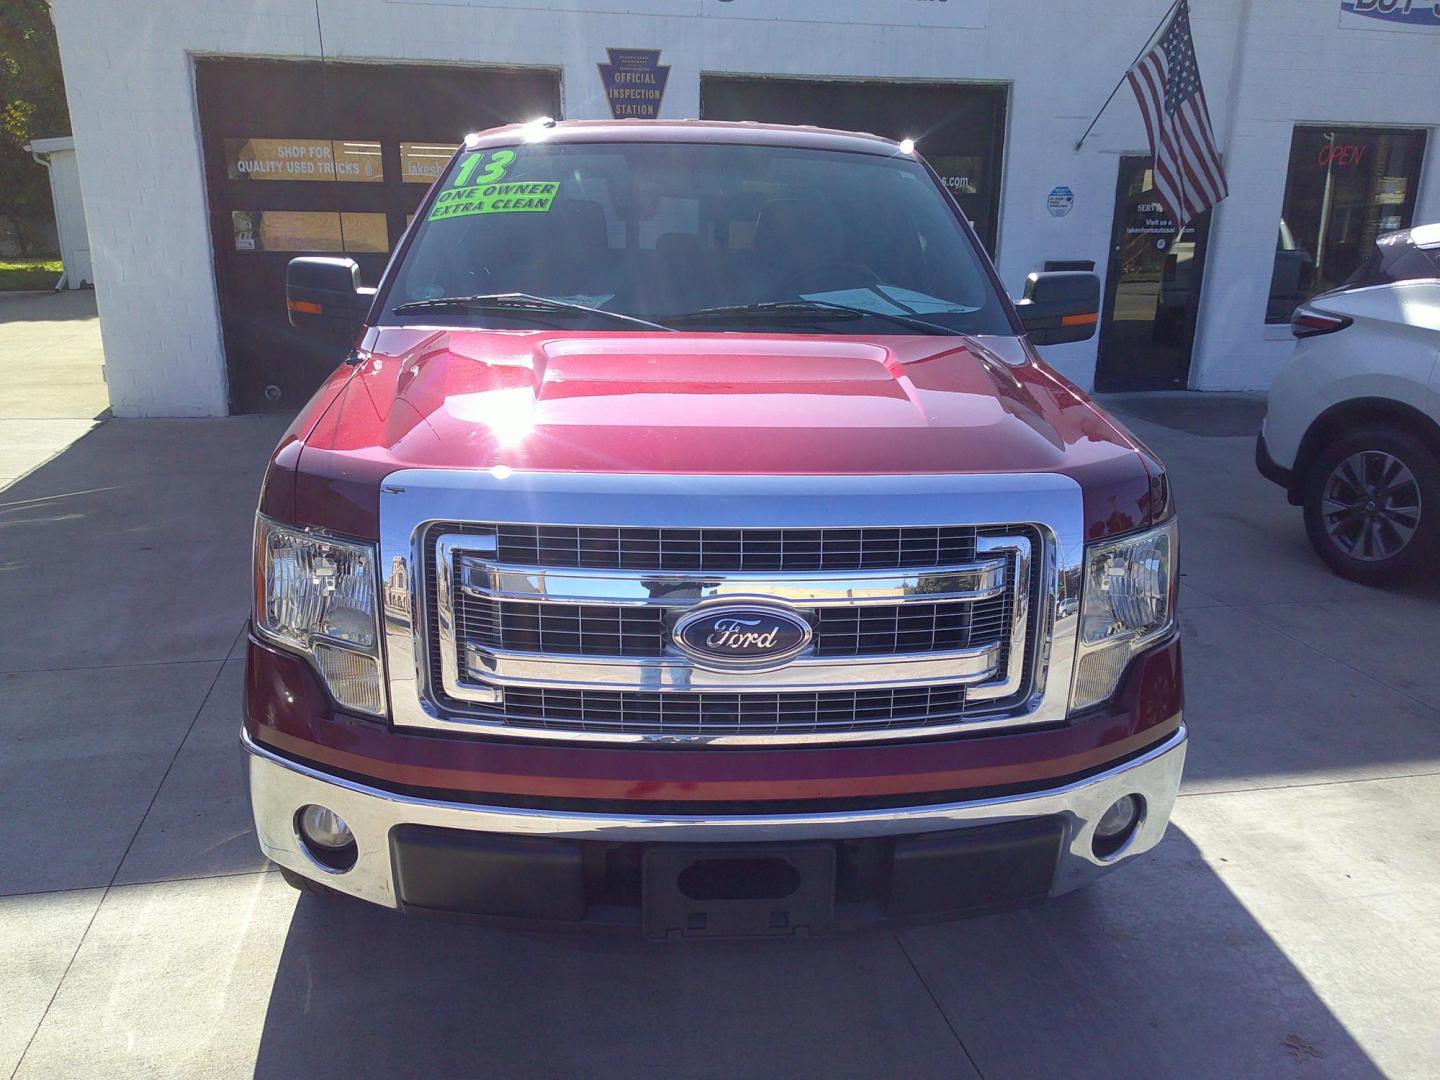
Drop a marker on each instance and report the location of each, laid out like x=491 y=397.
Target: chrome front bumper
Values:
x=279 y=788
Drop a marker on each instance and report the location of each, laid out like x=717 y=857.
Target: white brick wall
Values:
x=1266 y=63
x=1297 y=66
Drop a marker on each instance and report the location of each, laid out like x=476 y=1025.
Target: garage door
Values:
x=959 y=127
x=310 y=158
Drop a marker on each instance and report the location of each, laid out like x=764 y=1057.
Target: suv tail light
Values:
x=1307 y=322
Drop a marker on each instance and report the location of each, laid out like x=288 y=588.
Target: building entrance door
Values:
x=310 y=158
x=1152 y=290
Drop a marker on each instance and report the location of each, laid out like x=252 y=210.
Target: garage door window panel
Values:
x=421 y=163
x=310 y=231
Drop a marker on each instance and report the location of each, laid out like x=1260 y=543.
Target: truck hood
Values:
x=719 y=403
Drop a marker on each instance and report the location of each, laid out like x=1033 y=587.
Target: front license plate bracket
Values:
x=742 y=890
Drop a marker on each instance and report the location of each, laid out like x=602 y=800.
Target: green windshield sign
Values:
x=485 y=191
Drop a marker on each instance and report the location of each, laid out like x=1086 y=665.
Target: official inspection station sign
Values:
x=634 y=82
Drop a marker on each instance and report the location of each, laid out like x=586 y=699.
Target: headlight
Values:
x=1129 y=601
x=316 y=594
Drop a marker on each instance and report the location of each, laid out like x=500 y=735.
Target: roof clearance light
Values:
x=538 y=129
x=907 y=146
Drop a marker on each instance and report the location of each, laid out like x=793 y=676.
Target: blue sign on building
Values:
x=1410 y=15
x=634 y=82
x=1060 y=201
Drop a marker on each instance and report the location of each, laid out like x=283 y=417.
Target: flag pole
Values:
x=1148 y=41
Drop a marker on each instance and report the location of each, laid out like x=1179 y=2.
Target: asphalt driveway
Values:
x=1288 y=926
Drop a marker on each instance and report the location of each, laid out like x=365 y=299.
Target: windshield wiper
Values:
x=519 y=303
x=809 y=309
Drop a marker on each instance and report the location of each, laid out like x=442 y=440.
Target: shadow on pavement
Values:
x=1156 y=971
x=47 y=305
x=1208 y=415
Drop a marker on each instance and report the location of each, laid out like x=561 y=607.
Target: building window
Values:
x=421 y=163
x=1346 y=187
x=309 y=230
x=959 y=127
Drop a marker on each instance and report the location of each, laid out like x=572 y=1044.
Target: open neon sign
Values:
x=1340 y=154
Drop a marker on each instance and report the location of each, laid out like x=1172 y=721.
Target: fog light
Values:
x=325 y=828
x=326 y=837
x=1116 y=826
x=1117 y=819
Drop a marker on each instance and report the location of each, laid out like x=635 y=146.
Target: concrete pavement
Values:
x=1286 y=927
x=51 y=385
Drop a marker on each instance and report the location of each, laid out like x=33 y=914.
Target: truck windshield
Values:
x=694 y=236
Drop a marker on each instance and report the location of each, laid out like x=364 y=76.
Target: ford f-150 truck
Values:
x=692 y=540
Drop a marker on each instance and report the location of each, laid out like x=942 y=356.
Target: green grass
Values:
x=29 y=273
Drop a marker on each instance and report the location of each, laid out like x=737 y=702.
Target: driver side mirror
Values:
x=1060 y=305
x=324 y=297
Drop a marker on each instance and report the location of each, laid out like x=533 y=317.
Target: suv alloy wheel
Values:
x=1372 y=505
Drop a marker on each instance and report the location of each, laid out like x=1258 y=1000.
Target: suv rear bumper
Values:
x=389 y=827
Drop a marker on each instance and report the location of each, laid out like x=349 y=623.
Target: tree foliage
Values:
x=32 y=106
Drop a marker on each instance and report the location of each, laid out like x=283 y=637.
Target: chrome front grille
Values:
x=588 y=650
x=910 y=628
x=716 y=550
x=735 y=714
x=604 y=630
x=927 y=615
x=568 y=629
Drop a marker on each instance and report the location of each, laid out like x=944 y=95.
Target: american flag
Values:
x=1166 y=81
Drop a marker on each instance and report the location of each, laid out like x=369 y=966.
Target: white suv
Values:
x=1352 y=430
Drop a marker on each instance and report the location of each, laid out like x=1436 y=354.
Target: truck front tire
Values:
x=306 y=885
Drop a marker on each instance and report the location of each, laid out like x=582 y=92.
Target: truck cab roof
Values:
x=743 y=133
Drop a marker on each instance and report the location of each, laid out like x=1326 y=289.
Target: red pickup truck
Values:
x=693 y=541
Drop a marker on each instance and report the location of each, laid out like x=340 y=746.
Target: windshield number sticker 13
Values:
x=483 y=193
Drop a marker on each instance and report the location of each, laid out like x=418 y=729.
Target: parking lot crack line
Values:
x=1310 y=784
x=1359 y=671
x=193 y=877
x=936 y=1002
x=59 y=983
x=112 y=667
x=219 y=670
x=1247 y=611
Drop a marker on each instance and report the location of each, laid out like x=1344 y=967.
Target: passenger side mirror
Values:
x=1061 y=305
x=324 y=297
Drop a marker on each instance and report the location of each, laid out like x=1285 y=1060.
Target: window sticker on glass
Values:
x=309 y=230
x=421 y=163
x=304 y=159
x=477 y=190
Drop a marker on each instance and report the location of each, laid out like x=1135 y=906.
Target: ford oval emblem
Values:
x=742 y=635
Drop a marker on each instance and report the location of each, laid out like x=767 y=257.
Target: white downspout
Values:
x=44 y=159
